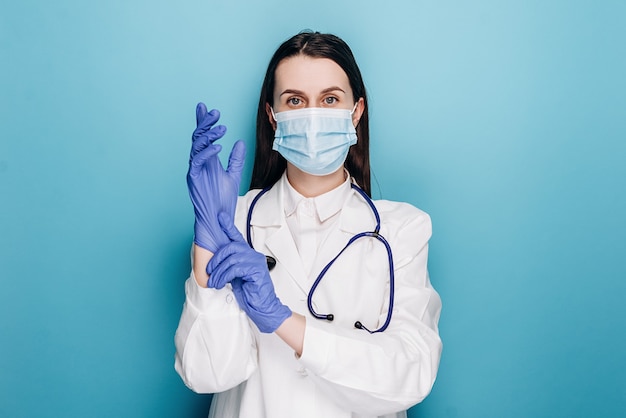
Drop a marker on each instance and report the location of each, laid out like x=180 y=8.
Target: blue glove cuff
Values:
x=268 y=322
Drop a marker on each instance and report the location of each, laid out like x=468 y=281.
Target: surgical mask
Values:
x=316 y=140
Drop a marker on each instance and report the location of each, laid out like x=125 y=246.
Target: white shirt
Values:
x=310 y=219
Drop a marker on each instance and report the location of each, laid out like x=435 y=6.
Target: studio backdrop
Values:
x=504 y=120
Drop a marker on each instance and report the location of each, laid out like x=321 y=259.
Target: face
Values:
x=303 y=81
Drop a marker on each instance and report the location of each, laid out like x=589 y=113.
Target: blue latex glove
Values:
x=246 y=270
x=212 y=190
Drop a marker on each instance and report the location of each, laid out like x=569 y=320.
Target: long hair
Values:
x=269 y=165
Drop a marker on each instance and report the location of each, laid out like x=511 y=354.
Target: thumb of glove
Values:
x=236 y=160
x=228 y=226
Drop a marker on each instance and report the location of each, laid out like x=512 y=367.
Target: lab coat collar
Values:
x=356 y=216
x=326 y=205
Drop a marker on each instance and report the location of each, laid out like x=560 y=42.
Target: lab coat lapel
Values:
x=269 y=217
x=355 y=217
x=283 y=248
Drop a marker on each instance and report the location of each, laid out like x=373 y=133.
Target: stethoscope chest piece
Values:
x=271 y=262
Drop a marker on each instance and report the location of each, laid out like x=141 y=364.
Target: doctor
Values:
x=263 y=276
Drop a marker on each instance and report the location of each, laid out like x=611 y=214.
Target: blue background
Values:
x=504 y=120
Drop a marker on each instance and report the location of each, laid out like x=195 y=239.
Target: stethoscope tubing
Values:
x=373 y=234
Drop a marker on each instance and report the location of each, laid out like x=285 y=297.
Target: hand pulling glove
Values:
x=246 y=270
x=212 y=190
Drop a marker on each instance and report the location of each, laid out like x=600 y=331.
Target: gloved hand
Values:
x=212 y=190
x=246 y=270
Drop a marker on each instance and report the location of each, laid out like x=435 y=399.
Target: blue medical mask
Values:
x=316 y=140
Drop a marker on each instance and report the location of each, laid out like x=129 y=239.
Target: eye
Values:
x=294 y=101
x=330 y=100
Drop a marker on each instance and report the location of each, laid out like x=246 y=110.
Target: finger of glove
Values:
x=205 y=139
x=232 y=267
x=203 y=116
x=205 y=124
x=236 y=160
x=235 y=260
x=238 y=252
x=228 y=226
x=256 y=281
x=224 y=253
x=219 y=278
x=200 y=159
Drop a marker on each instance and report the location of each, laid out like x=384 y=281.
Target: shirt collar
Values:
x=326 y=205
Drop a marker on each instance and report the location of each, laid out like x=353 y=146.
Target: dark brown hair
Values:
x=269 y=165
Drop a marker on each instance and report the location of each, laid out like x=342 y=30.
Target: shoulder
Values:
x=404 y=224
x=401 y=214
x=400 y=209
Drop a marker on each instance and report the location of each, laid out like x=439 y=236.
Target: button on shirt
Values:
x=310 y=218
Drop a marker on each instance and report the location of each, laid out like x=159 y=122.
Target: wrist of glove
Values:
x=246 y=270
x=267 y=313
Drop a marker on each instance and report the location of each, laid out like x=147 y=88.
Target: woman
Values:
x=268 y=335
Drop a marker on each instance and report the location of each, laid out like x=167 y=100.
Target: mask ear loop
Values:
x=354 y=108
x=273 y=114
x=355 y=122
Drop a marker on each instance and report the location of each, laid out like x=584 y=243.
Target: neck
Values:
x=309 y=185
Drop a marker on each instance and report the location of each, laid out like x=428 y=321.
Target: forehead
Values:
x=309 y=75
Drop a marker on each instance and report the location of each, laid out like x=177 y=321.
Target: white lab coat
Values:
x=343 y=371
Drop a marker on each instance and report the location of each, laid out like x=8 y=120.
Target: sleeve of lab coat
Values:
x=393 y=370
x=215 y=348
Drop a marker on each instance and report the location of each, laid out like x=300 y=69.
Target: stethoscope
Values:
x=271 y=261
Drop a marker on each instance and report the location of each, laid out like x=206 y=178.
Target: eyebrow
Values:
x=327 y=90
